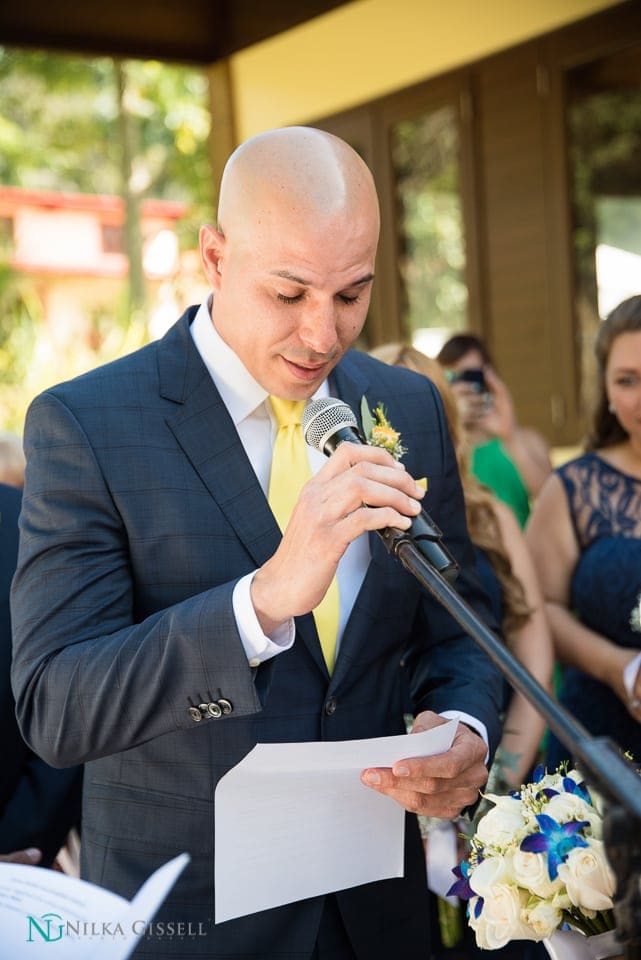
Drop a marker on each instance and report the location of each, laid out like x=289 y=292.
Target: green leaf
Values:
x=366 y=418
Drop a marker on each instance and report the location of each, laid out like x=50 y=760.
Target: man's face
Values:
x=291 y=297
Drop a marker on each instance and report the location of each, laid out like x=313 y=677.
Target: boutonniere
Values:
x=379 y=432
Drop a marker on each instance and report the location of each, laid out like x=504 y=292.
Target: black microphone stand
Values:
x=598 y=757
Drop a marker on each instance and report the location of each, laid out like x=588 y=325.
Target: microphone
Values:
x=327 y=422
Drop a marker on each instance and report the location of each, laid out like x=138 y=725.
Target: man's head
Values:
x=292 y=261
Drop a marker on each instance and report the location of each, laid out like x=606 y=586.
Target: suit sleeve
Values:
x=88 y=680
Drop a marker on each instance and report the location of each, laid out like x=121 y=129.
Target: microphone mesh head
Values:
x=323 y=417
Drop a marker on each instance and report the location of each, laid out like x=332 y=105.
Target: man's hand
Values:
x=329 y=515
x=439 y=786
x=30 y=856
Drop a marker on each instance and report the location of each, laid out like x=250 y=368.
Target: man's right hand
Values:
x=30 y=856
x=329 y=515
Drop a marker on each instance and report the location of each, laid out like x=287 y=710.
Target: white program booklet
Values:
x=48 y=914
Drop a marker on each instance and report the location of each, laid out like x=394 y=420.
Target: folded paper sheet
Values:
x=293 y=820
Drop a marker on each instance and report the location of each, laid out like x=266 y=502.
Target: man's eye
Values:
x=346 y=299
x=284 y=299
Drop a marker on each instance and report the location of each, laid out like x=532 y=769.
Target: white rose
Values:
x=500 y=919
x=530 y=870
x=503 y=824
x=588 y=878
x=490 y=872
x=569 y=806
x=543 y=916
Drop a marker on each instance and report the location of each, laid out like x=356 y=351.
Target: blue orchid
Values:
x=556 y=840
x=538 y=774
x=569 y=786
x=578 y=789
x=463 y=890
x=462 y=886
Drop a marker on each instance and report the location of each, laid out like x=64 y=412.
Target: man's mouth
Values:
x=306 y=371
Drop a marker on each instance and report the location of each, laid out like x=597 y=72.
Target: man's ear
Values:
x=212 y=245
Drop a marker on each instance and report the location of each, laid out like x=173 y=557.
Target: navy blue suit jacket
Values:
x=141 y=512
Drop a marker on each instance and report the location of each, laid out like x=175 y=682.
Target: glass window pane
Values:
x=604 y=127
x=425 y=155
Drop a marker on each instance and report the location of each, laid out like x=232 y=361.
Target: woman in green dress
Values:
x=511 y=460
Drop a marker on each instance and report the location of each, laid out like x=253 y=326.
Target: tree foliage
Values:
x=59 y=125
x=135 y=129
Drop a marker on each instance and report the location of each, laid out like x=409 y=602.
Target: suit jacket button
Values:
x=330 y=706
x=225 y=706
x=213 y=709
x=195 y=714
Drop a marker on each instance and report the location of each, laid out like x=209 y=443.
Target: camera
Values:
x=474 y=377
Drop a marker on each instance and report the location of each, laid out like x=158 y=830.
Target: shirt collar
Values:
x=240 y=392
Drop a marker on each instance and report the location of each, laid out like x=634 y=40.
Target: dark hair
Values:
x=625 y=318
x=460 y=344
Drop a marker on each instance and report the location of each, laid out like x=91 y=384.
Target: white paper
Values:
x=293 y=820
x=46 y=914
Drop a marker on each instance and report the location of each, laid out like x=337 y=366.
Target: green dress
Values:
x=493 y=467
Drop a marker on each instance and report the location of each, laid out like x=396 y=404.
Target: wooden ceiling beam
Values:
x=191 y=31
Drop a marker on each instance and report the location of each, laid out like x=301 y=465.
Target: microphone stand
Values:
x=598 y=757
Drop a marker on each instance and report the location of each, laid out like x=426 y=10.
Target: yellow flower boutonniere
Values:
x=379 y=432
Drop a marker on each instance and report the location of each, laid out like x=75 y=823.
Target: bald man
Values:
x=163 y=622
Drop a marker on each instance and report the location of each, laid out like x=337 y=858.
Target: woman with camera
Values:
x=511 y=460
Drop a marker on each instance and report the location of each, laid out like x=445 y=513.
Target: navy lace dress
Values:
x=605 y=506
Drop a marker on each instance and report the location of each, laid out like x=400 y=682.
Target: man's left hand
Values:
x=439 y=786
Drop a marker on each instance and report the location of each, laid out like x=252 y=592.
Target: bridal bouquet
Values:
x=537 y=863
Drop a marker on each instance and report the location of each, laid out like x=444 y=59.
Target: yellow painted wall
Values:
x=368 y=48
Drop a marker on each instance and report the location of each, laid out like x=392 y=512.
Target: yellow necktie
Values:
x=290 y=471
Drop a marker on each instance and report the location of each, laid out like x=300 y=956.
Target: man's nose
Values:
x=318 y=328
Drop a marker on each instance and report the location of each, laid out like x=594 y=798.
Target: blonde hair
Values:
x=12 y=460
x=482 y=520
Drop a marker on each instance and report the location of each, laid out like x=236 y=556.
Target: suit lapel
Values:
x=205 y=431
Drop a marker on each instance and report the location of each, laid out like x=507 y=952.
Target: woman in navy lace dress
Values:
x=585 y=537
